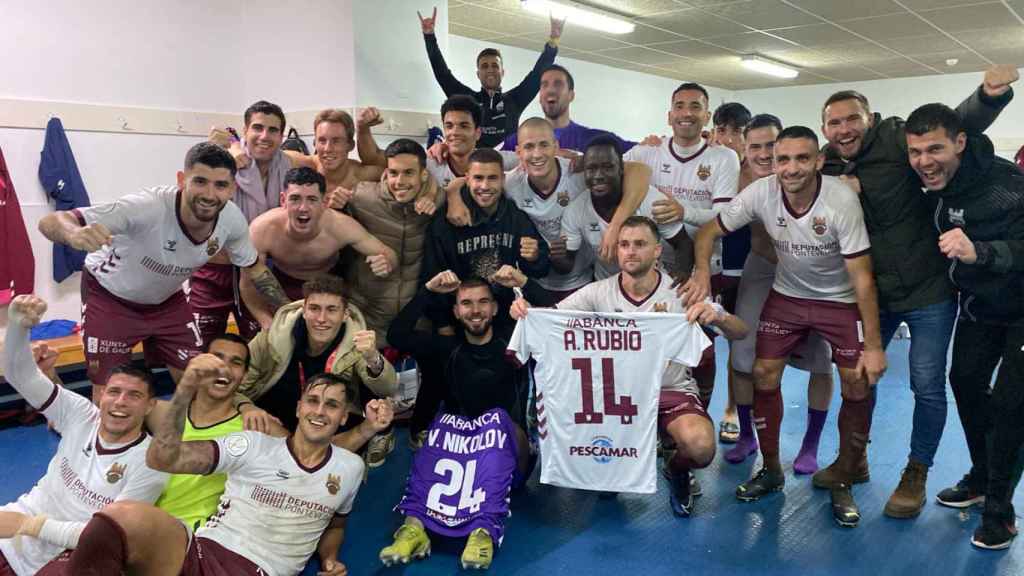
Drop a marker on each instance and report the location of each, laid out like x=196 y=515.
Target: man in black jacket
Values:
x=501 y=109
x=871 y=152
x=978 y=202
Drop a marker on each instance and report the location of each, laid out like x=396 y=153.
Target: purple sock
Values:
x=807 y=460
x=747 y=442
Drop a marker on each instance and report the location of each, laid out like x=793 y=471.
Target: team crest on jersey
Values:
x=116 y=472
x=563 y=199
x=661 y=306
x=703 y=172
x=212 y=246
x=333 y=484
x=819 y=225
x=956 y=217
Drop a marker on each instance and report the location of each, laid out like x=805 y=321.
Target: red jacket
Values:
x=17 y=265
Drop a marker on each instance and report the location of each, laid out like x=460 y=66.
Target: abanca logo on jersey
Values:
x=603 y=450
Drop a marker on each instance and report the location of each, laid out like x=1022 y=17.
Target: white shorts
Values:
x=813 y=355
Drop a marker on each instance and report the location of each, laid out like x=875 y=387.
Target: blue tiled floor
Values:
x=557 y=531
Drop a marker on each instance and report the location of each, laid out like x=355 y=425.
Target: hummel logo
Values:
x=283 y=475
x=87 y=450
x=780 y=221
x=171 y=245
x=595 y=227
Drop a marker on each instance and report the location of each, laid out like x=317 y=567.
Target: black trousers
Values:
x=992 y=414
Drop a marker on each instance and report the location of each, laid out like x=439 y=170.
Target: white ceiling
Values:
x=828 y=40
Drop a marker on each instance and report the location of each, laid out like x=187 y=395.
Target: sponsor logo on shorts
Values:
x=704 y=172
x=100 y=346
x=819 y=225
x=92 y=344
x=603 y=450
x=769 y=327
x=333 y=484
x=116 y=472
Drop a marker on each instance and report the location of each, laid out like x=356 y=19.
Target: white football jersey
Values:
x=151 y=254
x=608 y=295
x=698 y=178
x=82 y=477
x=274 y=510
x=597 y=396
x=443 y=172
x=583 y=227
x=546 y=214
x=812 y=247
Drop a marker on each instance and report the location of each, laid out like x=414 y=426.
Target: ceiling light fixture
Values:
x=580 y=15
x=770 y=67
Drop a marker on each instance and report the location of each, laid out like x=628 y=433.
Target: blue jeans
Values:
x=931 y=328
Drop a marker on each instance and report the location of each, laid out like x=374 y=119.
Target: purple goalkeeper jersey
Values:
x=461 y=478
x=573 y=137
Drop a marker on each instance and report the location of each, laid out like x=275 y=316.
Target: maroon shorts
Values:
x=707 y=358
x=724 y=290
x=786 y=322
x=675 y=403
x=211 y=295
x=208 y=558
x=5 y=568
x=111 y=326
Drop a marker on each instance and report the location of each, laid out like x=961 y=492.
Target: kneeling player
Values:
x=284 y=498
x=461 y=478
x=642 y=287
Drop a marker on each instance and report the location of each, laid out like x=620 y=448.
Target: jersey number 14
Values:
x=621 y=406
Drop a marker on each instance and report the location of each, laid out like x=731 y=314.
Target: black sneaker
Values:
x=761 y=484
x=994 y=533
x=963 y=495
x=844 y=509
x=680 y=498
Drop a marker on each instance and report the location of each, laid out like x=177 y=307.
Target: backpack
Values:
x=294 y=143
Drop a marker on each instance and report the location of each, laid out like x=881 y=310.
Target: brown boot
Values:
x=830 y=475
x=908 y=499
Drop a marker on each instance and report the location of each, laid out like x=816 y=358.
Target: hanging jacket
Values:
x=17 y=265
x=58 y=173
x=985 y=198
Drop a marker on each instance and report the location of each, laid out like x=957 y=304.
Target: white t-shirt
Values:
x=274 y=510
x=701 y=178
x=585 y=359
x=583 y=228
x=443 y=172
x=812 y=246
x=608 y=295
x=82 y=477
x=546 y=214
x=151 y=254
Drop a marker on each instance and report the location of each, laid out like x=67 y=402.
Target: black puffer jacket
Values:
x=986 y=199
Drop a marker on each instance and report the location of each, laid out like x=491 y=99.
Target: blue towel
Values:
x=53 y=329
x=58 y=173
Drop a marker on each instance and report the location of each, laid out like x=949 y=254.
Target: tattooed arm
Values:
x=167 y=452
x=266 y=284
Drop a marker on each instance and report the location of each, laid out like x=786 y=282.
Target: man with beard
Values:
x=586 y=219
x=641 y=287
x=913 y=287
x=557 y=91
x=101 y=457
x=823 y=284
x=303 y=240
x=284 y=500
x=478 y=379
x=500 y=239
x=142 y=247
x=755 y=283
x=978 y=201
x=501 y=110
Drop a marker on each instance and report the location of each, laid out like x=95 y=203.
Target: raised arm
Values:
x=64 y=227
x=983 y=106
x=449 y=84
x=167 y=452
x=20 y=368
x=527 y=90
x=369 y=153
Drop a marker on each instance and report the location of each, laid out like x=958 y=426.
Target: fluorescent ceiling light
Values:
x=769 y=67
x=580 y=15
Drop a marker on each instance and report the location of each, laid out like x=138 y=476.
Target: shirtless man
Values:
x=303 y=240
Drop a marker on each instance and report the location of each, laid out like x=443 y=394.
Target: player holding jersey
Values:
x=142 y=248
x=285 y=498
x=823 y=284
x=101 y=457
x=642 y=287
